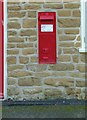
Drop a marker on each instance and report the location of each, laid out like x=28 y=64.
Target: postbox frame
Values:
x=48 y=10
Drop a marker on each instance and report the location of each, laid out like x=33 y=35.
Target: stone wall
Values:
x=26 y=78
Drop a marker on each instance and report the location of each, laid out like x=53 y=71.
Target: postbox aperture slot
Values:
x=45 y=18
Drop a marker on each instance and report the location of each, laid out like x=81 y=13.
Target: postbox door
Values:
x=47 y=37
x=1 y=51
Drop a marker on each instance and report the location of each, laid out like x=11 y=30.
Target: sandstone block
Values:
x=28 y=51
x=71 y=5
x=52 y=93
x=66 y=38
x=70 y=91
x=69 y=22
x=11 y=81
x=64 y=58
x=31 y=81
x=70 y=51
x=31 y=7
x=35 y=90
x=32 y=14
x=13 y=2
x=14 y=25
x=27 y=32
x=75 y=58
x=14 y=39
x=17 y=74
x=42 y=74
x=23 y=60
x=66 y=44
x=31 y=23
x=53 y=6
x=83 y=58
x=76 y=13
x=34 y=59
x=77 y=44
x=33 y=39
x=13 y=52
x=73 y=91
x=11 y=60
x=13 y=91
x=66 y=82
x=51 y=1
x=79 y=38
x=36 y=67
x=13 y=8
x=62 y=67
x=69 y=1
x=12 y=33
x=11 y=46
x=16 y=14
x=81 y=68
x=64 y=13
x=60 y=32
x=15 y=67
x=71 y=31
x=24 y=45
x=80 y=83
x=58 y=73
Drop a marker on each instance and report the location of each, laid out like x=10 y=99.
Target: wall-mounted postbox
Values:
x=47 y=37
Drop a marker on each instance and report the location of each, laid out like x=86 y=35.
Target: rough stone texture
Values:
x=53 y=6
x=62 y=67
x=52 y=93
x=13 y=90
x=27 y=32
x=81 y=67
x=13 y=25
x=31 y=23
x=17 y=74
x=71 y=31
x=32 y=91
x=66 y=38
x=11 y=60
x=13 y=8
x=15 y=67
x=23 y=60
x=16 y=14
x=71 y=5
x=12 y=33
x=32 y=14
x=11 y=81
x=66 y=82
x=64 y=13
x=30 y=80
x=76 y=13
x=64 y=58
x=31 y=7
x=13 y=52
x=15 y=39
x=69 y=22
x=28 y=51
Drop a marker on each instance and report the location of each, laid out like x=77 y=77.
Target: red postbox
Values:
x=1 y=52
x=47 y=37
